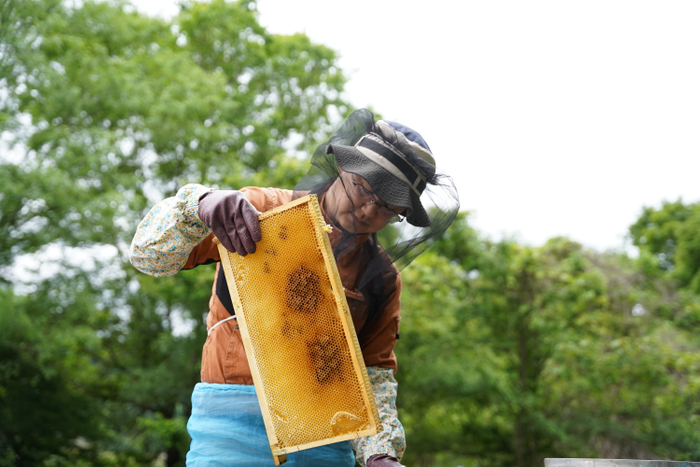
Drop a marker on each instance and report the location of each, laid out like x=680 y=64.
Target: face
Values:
x=357 y=208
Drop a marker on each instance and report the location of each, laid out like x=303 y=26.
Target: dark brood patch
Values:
x=325 y=357
x=303 y=292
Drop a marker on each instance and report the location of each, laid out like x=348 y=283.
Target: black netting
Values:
x=378 y=255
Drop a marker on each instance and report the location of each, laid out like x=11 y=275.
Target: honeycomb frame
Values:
x=341 y=372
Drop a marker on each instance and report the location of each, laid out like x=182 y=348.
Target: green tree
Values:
x=108 y=111
x=672 y=234
x=557 y=351
x=49 y=389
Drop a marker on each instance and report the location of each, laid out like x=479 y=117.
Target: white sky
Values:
x=553 y=117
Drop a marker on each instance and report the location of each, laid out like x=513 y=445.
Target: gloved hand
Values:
x=232 y=218
x=383 y=460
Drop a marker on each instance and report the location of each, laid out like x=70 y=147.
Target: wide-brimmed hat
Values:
x=401 y=170
x=396 y=162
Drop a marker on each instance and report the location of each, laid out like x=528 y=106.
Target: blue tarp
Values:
x=227 y=429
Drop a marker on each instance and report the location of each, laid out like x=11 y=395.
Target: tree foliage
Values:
x=105 y=111
x=672 y=234
x=508 y=353
x=513 y=353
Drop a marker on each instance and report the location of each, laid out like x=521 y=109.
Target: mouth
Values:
x=357 y=221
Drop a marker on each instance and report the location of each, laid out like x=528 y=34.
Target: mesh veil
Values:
x=385 y=253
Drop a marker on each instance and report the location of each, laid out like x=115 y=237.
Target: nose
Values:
x=370 y=209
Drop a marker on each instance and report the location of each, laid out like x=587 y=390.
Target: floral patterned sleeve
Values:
x=392 y=439
x=168 y=233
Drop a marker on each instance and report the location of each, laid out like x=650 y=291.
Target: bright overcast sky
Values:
x=553 y=117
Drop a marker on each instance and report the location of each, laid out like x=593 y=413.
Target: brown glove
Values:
x=383 y=460
x=232 y=218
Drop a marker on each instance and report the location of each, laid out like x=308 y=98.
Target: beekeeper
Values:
x=368 y=176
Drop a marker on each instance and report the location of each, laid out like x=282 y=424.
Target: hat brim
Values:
x=387 y=187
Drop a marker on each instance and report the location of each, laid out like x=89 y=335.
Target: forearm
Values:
x=392 y=439
x=168 y=233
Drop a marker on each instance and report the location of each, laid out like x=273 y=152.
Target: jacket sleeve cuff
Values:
x=168 y=233
x=392 y=439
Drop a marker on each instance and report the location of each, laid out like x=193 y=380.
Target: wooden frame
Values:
x=279 y=450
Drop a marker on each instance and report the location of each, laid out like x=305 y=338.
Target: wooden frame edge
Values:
x=245 y=337
x=348 y=325
x=315 y=444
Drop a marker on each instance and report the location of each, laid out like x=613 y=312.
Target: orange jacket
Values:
x=223 y=358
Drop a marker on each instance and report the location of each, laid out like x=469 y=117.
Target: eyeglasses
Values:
x=367 y=197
